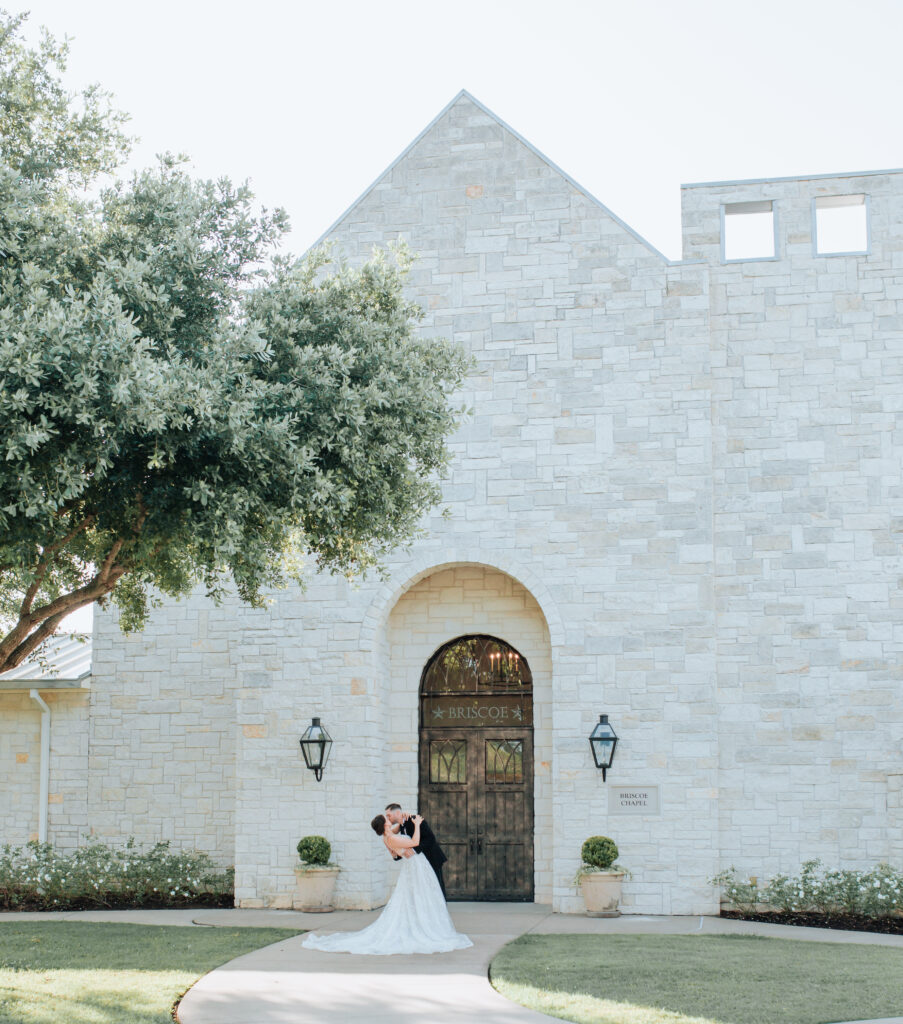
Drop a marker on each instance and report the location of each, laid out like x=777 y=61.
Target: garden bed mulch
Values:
x=847 y=922
x=111 y=902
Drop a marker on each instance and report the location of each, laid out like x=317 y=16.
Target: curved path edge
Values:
x=286 y=984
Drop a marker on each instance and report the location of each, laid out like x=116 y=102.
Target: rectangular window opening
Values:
x=841 y=225
x=749 y=231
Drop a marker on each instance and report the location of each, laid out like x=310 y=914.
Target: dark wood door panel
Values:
x=445 y=801
x=505 y=847
x=476 y=790
x=446 y=810
x=455 y=871
x=476 y=765
x=503 y=873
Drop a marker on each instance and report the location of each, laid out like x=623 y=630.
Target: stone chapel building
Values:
x=679 y=502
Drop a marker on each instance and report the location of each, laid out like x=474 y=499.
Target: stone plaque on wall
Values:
x=633 y=800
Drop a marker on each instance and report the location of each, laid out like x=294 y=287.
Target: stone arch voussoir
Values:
x=427 y=563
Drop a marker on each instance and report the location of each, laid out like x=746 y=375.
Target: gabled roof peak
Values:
x=464 y=95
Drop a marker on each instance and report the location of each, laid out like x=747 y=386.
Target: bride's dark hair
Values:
x=378 y=824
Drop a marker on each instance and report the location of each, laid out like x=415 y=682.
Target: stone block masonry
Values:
x=680 y=491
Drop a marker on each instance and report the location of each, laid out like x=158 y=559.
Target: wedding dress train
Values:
x=415 y=920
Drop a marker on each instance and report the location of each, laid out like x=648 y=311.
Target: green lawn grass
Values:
x=69 y=972
x=699 y=979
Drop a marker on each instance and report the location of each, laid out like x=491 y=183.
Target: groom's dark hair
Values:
x=393 y=807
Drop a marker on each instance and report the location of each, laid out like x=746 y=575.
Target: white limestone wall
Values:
x=353 y=655
x=20 y=762
x=317 y=667
x=161 y=736
x=584 y=474
x=20 y=748
x=807 y=368
x=587 y=463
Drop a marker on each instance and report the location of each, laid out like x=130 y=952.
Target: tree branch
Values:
x=13 y=653
x=21 y=641
x=43 y=566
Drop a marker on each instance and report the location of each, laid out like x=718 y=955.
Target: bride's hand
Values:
x=417 y=819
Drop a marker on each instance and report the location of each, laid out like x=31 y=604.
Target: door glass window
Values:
x=448 y=761
x=505 y=761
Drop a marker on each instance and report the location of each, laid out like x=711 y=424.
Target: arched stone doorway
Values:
x=476 y=766
x=460 y=600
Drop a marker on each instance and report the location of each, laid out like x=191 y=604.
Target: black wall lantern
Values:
x=315 y=745
x=602 y=742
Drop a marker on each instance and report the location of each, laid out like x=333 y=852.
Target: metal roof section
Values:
x=63 y=664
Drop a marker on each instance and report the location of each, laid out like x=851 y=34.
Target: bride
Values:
x=415 y=920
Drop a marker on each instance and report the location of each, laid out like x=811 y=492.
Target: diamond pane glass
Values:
x=505 y=761
x=448 y=761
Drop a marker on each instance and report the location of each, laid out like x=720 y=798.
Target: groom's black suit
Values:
x=429 y=847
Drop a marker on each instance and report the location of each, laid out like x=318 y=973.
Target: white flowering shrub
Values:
x=38 y=877
x=874 y=893
x=742 y=894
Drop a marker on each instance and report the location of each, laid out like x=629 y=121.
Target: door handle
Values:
x=473 y=844
x=479 y=844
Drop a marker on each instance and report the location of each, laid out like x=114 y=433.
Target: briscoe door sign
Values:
x=453 y=712
x=633 y=800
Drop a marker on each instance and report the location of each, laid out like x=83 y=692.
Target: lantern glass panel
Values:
x=316 y=744
x=603 y=750
x=603 y=741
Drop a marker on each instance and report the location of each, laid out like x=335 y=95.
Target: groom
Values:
x=429 y=845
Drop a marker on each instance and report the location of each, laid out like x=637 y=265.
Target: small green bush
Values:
x=874 y=893
x=38 y=877
x=314 y=850
x=599 y=852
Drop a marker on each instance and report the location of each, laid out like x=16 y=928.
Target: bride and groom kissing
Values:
x=416 y=918
x=400 y=823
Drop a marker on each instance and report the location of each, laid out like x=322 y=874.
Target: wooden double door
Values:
x=476 y=791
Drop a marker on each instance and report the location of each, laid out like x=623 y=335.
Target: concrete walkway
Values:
x=285 y=984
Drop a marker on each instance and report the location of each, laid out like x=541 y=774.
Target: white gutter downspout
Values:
x=45 y=764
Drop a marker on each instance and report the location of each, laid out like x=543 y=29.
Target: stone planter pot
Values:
x=601 y=892
x=314 y=888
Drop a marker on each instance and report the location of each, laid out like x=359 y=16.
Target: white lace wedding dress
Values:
x=415 y=920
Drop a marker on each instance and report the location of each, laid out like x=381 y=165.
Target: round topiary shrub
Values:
x=599 y=852
x=314 y=850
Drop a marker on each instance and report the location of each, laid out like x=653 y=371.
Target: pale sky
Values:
x=312 y=101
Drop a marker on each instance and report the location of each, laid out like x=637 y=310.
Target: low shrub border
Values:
x=846 y=922
x=97 y=876
x=854 y=900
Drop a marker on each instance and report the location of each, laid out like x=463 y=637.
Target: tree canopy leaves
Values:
x=177 y=405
